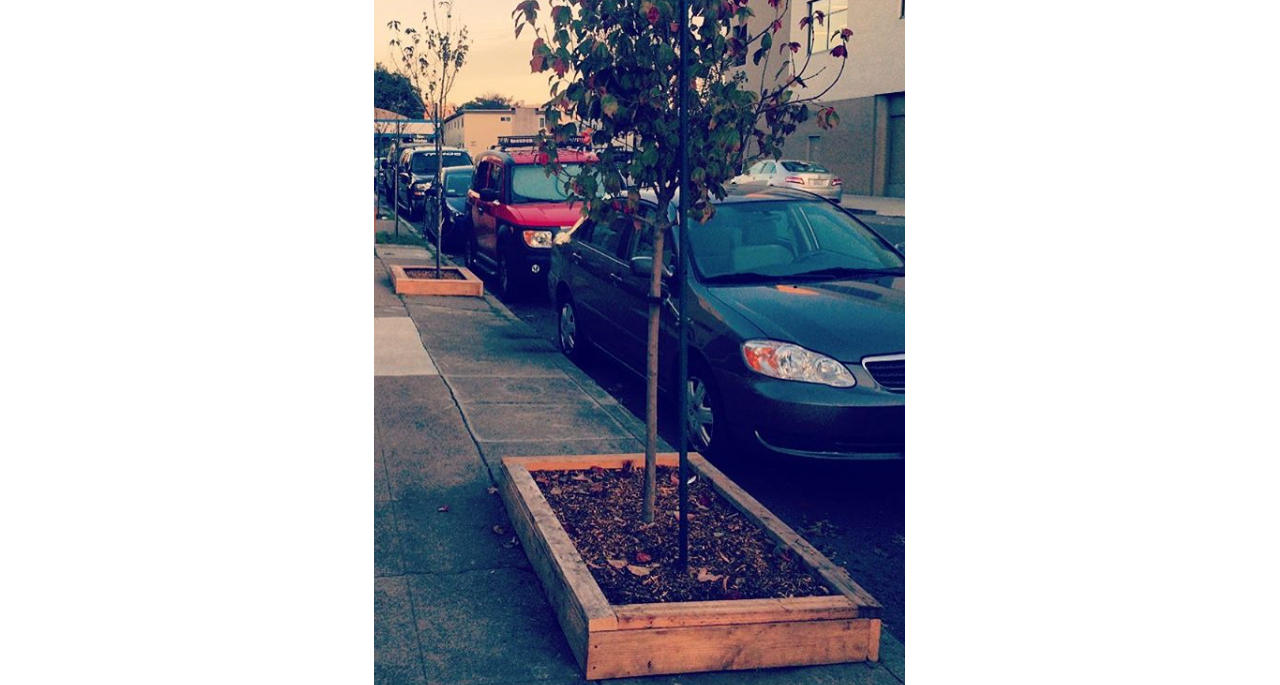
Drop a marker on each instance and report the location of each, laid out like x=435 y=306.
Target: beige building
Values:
x=478 y=129
x=868 y=147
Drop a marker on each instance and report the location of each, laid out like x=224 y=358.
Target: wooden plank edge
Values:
x=835 y=575
x=579 y=582
x=581 y=462
x=734 y=612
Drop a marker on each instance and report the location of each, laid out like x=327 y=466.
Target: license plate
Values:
x=817 y=182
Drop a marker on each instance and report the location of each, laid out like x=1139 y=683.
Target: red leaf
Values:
x=839 y=51
x=804 y=21
x=795 y=47
x=536 y=64
x=774 y=3
x=819 y=15
x=586 y=140
x=643 y=558
x=845 y=34
x=560 y=66
x=653 y=15
x=777 y=26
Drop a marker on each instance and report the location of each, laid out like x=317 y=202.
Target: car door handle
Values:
x=615 y=279
x=575 y=258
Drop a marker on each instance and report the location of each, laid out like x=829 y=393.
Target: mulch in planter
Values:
x=730 y=557
x=430 y=274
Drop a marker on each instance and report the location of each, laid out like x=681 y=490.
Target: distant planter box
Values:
x=420 y=280
x=619 y=641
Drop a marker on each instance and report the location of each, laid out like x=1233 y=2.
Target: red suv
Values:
x=516 y=211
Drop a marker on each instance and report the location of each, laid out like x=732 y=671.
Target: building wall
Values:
x=478 y=129
x=867 y=148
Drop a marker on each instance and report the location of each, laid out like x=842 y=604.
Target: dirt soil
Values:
x=634 y=563
x=430 y=274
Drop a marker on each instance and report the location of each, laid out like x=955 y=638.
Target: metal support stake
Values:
x=682 y=255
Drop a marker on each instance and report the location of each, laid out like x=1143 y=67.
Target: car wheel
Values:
x=469 y=254
x=506 y=279
x=570 y=336
x=708 y=433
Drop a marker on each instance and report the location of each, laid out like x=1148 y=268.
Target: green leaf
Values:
x=609 y=104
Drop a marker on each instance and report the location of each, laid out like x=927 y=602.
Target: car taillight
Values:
x=836 y=182
x=795 y=179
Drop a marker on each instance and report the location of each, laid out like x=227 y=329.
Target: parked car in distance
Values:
x=417 y=174
x=797 y=339
x=516 y=210
x=389 y=164
x=793 y=173
x=455 y=181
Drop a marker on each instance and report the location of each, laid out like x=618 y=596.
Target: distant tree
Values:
x=394 y=92
x=489 y=101
x=431 y=56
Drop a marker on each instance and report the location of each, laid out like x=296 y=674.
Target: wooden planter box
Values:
x=617 y=641
x=468 y=285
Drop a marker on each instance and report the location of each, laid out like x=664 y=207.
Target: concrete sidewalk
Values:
x=455 y=599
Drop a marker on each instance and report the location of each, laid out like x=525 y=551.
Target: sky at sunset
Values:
x=497 y=61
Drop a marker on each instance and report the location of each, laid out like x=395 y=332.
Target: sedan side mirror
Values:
x=489 y=195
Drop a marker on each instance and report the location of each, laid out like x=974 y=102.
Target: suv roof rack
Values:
x=507 y=142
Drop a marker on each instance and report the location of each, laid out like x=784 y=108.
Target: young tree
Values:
x=431 y=57
x=614 y=86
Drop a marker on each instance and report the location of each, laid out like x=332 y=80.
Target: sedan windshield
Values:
x=805 y=167
x=530 y=183
x=786 y=239
x=425 y=162
x=457 y=183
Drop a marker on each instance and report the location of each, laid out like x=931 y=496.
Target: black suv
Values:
x=416 y=169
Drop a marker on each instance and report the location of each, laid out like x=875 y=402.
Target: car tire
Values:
x=570 y=337
x=708 y=429
x=507 y=281
x=469 y=253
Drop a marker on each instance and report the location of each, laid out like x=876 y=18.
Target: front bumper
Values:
x=816 y=421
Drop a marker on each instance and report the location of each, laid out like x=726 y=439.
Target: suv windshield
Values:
x=530 y=183
x=457 y=183
x=424 y=162
x=784 y=239
x=803 y=167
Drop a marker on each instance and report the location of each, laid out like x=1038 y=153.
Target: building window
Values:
x=504 y=118
x=824 y=36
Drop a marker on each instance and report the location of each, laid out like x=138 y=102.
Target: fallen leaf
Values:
x=597 y=488
x=443 y=507
x=643 y=557
x=578 y=477
x=617 y=563
x=491 y=490
x=675 y=479
x=556 y=490
x=639 y=570
x=705 y=576
x=722 y=556
x=498 y=529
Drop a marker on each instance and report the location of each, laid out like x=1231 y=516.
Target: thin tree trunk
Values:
x=438 y=212
x=651 y=394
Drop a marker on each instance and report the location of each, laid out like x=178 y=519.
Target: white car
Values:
x=793 y=173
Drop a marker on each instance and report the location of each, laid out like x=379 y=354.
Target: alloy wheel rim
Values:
x=568 y=328
x=701 y=418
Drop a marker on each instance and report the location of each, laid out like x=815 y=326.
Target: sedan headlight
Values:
x=537 y=238
x=794 y=363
